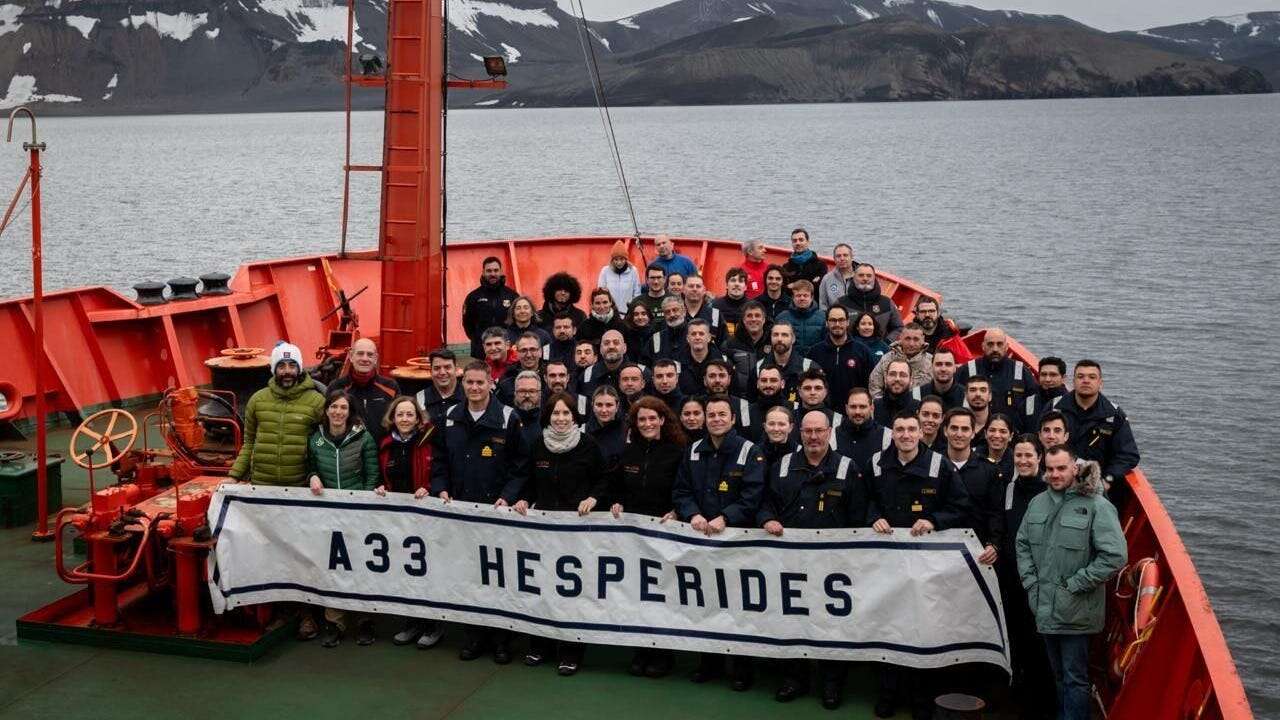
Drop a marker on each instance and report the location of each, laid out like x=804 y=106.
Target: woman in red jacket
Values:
x=405 y=459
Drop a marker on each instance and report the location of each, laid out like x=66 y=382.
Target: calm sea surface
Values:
x=1143 y=233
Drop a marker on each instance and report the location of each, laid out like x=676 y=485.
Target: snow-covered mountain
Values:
x=103 y=56
x=1251 y=39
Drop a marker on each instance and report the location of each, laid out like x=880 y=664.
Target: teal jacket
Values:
x=277 y=423
x=1070 y=544
x=348 y=463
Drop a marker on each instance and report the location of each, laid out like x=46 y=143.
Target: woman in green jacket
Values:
x=341 y=455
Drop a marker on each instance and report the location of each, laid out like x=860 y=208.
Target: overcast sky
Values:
x=1102 y=14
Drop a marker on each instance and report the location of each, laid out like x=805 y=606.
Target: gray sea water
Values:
x=1144 y=233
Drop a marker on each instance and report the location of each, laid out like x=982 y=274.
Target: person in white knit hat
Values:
x=278 y=419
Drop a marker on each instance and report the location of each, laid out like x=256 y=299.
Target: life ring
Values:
x=10 y=401
x=1148 y=574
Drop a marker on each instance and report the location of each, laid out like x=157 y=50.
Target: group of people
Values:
x=797 y=399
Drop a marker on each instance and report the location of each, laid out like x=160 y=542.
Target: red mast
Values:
x=411 y=224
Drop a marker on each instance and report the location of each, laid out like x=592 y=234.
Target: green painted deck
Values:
x=304 y=680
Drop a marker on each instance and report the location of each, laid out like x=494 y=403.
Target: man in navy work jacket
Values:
x=813 y=488
x=1099 y=430
x=480 y=456
x=911 y=486
x=720 y=484
x=1011 y=380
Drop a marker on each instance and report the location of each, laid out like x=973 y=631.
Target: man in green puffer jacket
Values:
x=278 y=419
x=1070 y=544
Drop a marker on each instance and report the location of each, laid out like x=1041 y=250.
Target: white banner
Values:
x=832 y=594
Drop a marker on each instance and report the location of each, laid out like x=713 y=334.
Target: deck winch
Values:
x=146 y=535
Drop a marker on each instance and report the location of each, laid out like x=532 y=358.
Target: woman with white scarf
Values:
x=567 y=473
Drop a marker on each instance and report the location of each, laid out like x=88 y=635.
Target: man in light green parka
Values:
x=278 y=419
x=1070 y=544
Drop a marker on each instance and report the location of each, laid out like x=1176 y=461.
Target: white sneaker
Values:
x=411 y=632
x=431 y=635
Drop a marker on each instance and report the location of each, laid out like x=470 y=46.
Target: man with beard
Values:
x=860 y=436
x=655 y=289
x=480 y=456
x=749 y=341
x=631 y=385
x=603 y=317
x=564 y=330
x=804 y=264
x=782 y=354
x=1011 y=380
x=896 y=398
x=1099 y=429
x=694 y=358
x=977 y=397
x=528 y=359
x=813 y=487
x=835 y=284
x=1052 y=379
x=278 y=420
x=487 y=305
x=370 y=391
x=527 y=399
x=666 y=384
x=812 y=395
x=556 y=378
x=943 y=384
x=768 y=394
x=671 y=339
x=730 y=305
x=845 y=362
x=560 y=294
x=909 y=348
x=928 y=313
x=444 y=390
x=613 y=354
x=865 y=296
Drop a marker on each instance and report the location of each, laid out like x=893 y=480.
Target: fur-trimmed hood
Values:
x=1088 y=479
x=561 y=281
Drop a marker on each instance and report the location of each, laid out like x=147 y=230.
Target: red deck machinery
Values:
x=146 y=537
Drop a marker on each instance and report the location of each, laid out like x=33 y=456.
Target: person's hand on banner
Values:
x=317 y=487
x=922 y=527
x=444 y=496
x=521 y=506
x=773 y=527
x=380 y=491
x=616 y=510
x=419 y=493
x=586 y=506
x=500 y=502
x=715 y=527
x=882 y=526
x=988 y=556
x=699 y=523
x=671 y=515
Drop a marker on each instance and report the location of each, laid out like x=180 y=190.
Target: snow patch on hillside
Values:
x=84 y=24
x=464 y=15
x=864 y=13
x=934 y=17
x=22 y=90
x=1235 y=21
x=313 y=20
x=180 y=27
x=511 y=53
x=627 y=22
x=9 y=18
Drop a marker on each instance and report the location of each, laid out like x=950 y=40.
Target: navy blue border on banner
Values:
x=963 y=549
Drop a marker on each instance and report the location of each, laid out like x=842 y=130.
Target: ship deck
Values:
x=40 y=679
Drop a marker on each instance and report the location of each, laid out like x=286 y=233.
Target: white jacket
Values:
x=622 y=286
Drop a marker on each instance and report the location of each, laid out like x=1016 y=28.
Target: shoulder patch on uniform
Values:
x=506 y=415
x=1031 y=404
x=744 y=411
x=915 y=393
x=1017 y=369
x=875 y=463
x=586 y=374
x=842 y=470
x=1056 y=400
x=806 y=363
x=935 y=465
x=745 y=452
x=784 y=468
x=693 y=450
x=715 y=317
x=657 y=341
x=582 y=405
x=886 y=439
x=972 y=367
x=1008 y=496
